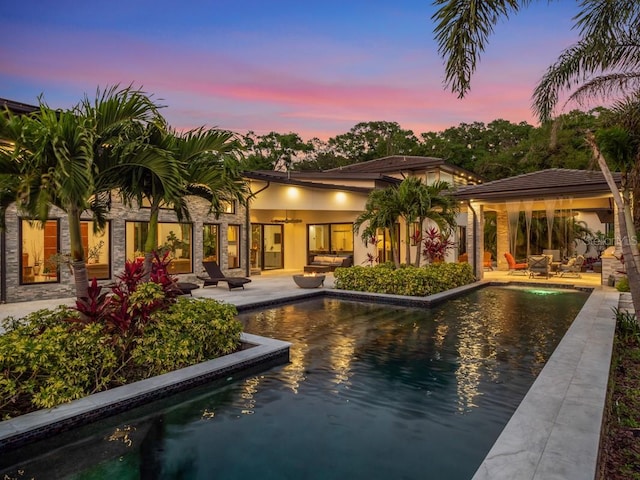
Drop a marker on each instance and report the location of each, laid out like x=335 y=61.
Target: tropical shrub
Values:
x=435 y=245
x=188 y=332
x=622 y=285
x=138 y=330
x=409 y=280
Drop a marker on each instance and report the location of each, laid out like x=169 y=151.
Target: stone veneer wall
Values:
x=118 y=217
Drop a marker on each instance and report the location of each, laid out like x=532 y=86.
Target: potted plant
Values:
x=174 y=244
x=94 y=252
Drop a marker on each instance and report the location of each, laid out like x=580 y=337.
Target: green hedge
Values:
x=406 y=280
x=47 y=359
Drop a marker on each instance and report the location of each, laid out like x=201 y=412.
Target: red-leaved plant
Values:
x=435 y=245
x=128 y=307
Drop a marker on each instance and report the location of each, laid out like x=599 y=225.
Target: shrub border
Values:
x=256 y=351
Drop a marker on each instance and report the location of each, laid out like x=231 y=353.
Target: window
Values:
x=233 y=249
x=229 y=207
x=330 y=238
x=341 y=238
x=174 y=237
x=40 y=248
x=210 y=244
x=96 y=249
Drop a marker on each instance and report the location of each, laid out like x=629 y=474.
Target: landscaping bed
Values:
x=405 y=280
x=620 y=442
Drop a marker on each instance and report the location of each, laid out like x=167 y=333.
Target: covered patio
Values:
x=559 y=211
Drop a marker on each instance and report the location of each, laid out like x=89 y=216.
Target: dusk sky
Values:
x=314 y=68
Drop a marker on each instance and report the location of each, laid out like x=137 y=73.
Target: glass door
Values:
x=267 y=246
x=255 y=256
x=272 y=245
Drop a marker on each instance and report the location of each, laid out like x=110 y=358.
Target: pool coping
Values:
x=18 y=431
x=554 y=433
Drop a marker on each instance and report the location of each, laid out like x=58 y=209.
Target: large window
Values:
x=96 y=249
x=174 y=237
x=330 y=238
x=40 y=251
x=210 y=243
x=233 y=249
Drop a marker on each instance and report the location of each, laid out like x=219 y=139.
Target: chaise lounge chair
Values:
x=572 y=267
x=216 y=275
x=515 y=267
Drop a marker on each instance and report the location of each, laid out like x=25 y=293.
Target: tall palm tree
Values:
x=437 y=205
x=381 y=211
x=56 y=156
x=200 y=162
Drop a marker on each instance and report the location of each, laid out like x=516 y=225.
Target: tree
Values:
x=369 y=140
x=606 y=58
x=274 y=151
x=382 y=211
x=56 y=156
x=200 y=162
x=419 y=202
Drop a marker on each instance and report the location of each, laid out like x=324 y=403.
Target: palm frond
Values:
x=462 y=31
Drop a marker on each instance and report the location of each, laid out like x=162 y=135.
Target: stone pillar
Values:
x=502 y=235
x=475 y=238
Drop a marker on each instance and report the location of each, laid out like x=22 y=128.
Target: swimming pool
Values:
x=372 y=391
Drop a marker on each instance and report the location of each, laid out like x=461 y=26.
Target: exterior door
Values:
x=267 y=241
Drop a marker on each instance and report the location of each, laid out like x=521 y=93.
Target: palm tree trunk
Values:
x=407 y=243
x=419 y=243
x=151 y=243
x=78 y=263
x=629 y=251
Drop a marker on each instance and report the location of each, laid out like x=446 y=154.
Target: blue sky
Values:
x=314 y=68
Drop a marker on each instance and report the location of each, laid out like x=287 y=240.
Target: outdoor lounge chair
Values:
x=216 y=275
x=515 y=267
x=539 y=264
x=572 y=267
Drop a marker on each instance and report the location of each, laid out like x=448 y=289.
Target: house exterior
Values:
x=580 y=195
x=312 y=213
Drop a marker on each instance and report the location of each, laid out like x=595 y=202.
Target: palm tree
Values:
x=605 y=60
x=421 y=202
x=382 y=211
x=56 y=156
x=200 y=162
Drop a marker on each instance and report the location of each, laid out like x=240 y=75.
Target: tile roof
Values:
x=16 y=107
x=554 y=181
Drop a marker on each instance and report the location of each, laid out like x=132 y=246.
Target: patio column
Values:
x=475 y=237
x=610 y=264
x=502 y=240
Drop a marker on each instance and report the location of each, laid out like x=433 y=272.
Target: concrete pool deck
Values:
x=554 y=433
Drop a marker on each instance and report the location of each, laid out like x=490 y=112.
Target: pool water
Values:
x=372 y=391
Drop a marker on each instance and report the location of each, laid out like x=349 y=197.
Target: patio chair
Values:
x=515 y=267
x=539 y=264
x=486 y=261
x=572 y=267
x=215 y=275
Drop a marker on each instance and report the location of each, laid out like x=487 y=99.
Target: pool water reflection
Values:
x=372 y=391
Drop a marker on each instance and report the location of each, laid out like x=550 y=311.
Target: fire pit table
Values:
x=309 y=281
